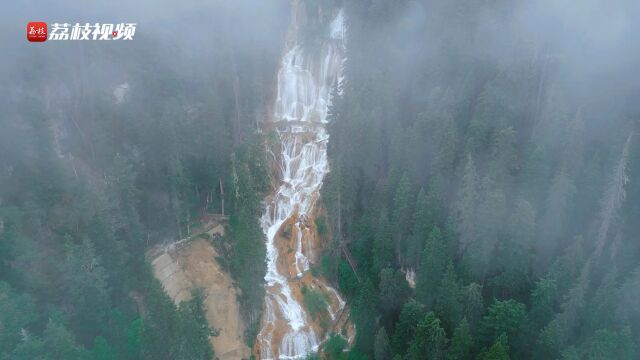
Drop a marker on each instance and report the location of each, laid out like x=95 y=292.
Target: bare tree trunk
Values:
x=236 y=94
x=613 y=197
x=543 y=74
x=352 y=263
x=340 y=215
x=221 y=197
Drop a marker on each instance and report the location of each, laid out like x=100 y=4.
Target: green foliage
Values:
x=526 y=194
x=543 y=298
x=422 y=222
x=86 y=192
x=498 y=351
x=248 y=257
x=467 y=204
x=607 y=344
x=56 y=343
x=17 y=312
x=8 y=238
x=194 y=328
x=335 y=346
x=363 y=306
x=392 y=291
x=473 y=303
x=516 y=188
x=355 y=354
x=429 y=340
x=314 y=301
x=448 y=305
x=133 y=341
x=406 y=326
x=159 y=328
x=503 y=317
x=85 y=286
x=549 y=340
x=321 y=225
x=347 y=279
x=432 y=267
x=161 y=334
x=382 y=347
x=102 y=350
x=402 y=214
x=461 y=342
x=382 y=253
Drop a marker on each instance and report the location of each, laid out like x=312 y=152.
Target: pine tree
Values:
x=429 y=341
x=613 y=197
x=56 y=343
x=467 y=205
x=491 y=213
x=383 y=244
x=402 y=211
x=194 y=328
x=473 y=303
x=432 y=267
x=422 y=223
x=568 y=320
x=522 y=223
x=505 y=156
x=573 y=156
x=335 y=346
x=445 y=138
x=406 y=326
x=628 y=308
x=554 y=219
x=461 y=342
x=600 y=304
x=17 y=312
x=382 y=347
x=543 y=298
x=85 y=287
x=498 y=351
x=393 y=291
x=8 y=237
x=503 y=317
x=607 y=344
x=568 y=266
x=363 y=307
x=102 y=350
x=448 y=305
x=248 y=257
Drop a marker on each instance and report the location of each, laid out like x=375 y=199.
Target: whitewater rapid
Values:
x=305 y=80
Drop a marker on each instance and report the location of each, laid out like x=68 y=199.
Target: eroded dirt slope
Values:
x=190 y=264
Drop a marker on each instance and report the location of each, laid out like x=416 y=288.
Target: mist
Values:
x=453 y=179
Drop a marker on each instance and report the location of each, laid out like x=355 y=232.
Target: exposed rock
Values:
x=191 y=263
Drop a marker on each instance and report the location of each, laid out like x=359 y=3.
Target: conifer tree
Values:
x=382 y=347
x=432 y=267
x=461 y=342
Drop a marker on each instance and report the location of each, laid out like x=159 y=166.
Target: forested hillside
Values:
x=107 y=149
x=491 y=148
x=482 y=200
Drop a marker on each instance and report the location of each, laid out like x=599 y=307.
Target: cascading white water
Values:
x=304 y=88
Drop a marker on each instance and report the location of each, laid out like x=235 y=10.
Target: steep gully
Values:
x=305 y=80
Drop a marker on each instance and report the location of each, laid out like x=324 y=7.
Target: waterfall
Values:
x=304 y=84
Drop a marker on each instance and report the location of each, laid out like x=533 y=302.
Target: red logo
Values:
x=37 y=31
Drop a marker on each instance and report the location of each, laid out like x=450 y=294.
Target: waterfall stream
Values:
x=305 y=80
